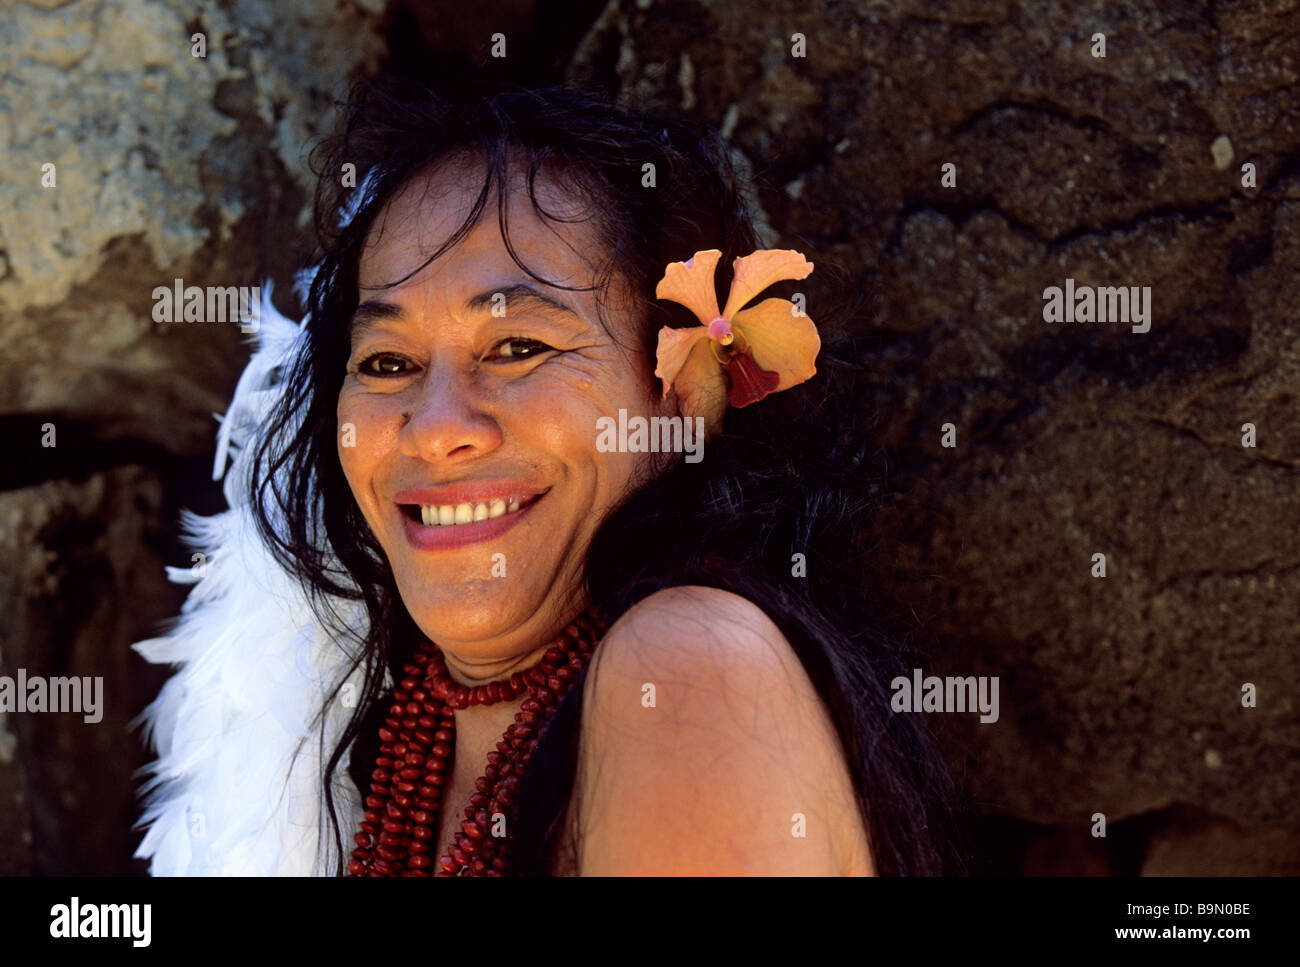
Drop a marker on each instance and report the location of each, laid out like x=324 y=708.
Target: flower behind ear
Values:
x=756 y=351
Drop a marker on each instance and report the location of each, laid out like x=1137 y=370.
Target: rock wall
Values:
x=1119 y=695
x=166 y=165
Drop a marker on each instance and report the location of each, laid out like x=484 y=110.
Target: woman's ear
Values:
x=706 y=403
x=688 y=366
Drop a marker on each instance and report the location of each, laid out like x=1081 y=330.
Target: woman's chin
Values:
x=480 y=612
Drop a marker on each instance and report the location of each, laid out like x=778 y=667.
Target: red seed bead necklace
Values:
x=415 y=756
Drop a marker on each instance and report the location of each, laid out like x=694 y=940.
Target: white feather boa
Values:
x=226 y=795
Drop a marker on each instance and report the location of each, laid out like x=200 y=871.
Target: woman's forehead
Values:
x=433 y=204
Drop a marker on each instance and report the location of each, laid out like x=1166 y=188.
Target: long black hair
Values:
x=795 y=474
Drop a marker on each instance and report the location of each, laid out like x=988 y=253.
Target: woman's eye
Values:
x=519 y=348
x=383 y=364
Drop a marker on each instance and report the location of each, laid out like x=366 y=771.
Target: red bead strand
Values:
x=417 y=745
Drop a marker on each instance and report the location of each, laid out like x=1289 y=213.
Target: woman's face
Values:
x=468 y=416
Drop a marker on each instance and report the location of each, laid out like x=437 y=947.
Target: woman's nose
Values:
x=448 y=418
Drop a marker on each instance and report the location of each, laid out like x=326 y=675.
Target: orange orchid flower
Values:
x=760 y=350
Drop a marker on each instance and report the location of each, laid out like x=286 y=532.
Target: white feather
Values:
x=254 y=669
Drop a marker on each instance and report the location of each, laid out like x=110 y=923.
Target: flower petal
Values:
x=692 y=284
x=749 y=382
x=698 y=379
x=702 y=388
x=780 y=341
x=674 y=349
x=754 y=273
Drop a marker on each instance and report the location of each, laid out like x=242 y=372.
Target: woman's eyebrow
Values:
x=518 y=295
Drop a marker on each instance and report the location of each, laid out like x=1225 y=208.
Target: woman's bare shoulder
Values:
x=706 y=748
x=696 y=625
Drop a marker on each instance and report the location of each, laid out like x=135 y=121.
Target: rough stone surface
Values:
x=166 y=166
x=82 y=577
x=1195 y=844
x=1119 y=695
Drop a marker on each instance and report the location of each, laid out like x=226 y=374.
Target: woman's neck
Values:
x=479 y=671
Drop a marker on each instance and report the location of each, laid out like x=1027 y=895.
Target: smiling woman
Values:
x=575 y=658
x=476 y=394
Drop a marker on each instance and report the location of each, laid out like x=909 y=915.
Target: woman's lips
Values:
x=440 y=536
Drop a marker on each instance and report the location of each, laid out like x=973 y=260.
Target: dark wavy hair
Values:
x=795 y=474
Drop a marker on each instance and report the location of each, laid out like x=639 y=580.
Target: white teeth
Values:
x=444 y=514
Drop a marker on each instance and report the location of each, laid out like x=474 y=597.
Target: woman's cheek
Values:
x=360 y=432
x=553 y=409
